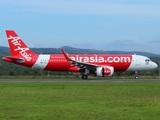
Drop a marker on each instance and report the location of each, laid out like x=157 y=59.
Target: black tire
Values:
x=85 y=77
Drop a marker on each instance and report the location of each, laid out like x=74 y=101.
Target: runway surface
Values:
x=79 y=80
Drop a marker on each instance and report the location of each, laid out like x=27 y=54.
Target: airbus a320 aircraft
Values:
x=98 y=64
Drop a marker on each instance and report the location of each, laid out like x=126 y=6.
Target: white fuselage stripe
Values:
x=41 y=62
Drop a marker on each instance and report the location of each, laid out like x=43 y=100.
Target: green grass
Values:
x=80 y=101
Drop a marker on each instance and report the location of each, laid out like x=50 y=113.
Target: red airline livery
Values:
x=97 y=64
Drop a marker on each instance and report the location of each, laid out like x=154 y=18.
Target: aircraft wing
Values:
x=78 y=63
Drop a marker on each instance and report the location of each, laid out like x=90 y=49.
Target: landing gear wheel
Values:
x=84 y=76
x=136 y=75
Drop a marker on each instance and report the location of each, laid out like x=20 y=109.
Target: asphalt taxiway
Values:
x=79 y=80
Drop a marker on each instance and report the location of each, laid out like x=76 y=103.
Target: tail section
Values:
x=17 y=47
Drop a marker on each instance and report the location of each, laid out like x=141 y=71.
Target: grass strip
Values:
x=87 y=101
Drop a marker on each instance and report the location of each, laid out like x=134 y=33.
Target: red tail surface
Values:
x=17 y=46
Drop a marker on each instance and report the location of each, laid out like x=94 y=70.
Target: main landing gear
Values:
x=136 y=75
x=85 y=75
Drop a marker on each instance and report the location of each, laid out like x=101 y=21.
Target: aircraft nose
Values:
x=154 y=65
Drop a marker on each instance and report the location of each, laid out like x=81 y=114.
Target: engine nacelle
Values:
x=104 y=71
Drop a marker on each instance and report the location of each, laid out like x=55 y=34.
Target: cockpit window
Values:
x=147 y=60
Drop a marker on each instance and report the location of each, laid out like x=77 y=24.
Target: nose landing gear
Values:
x=136 y=75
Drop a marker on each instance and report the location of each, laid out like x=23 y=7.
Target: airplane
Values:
x=100 y=65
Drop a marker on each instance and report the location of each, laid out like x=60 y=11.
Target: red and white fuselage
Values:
x=98 y=64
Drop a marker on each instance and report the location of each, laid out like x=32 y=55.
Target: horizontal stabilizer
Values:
x=20 y=60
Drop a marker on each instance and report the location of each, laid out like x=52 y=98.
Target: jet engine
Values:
x=104 y=71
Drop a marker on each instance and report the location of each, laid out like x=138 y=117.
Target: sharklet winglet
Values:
x=65 y=55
